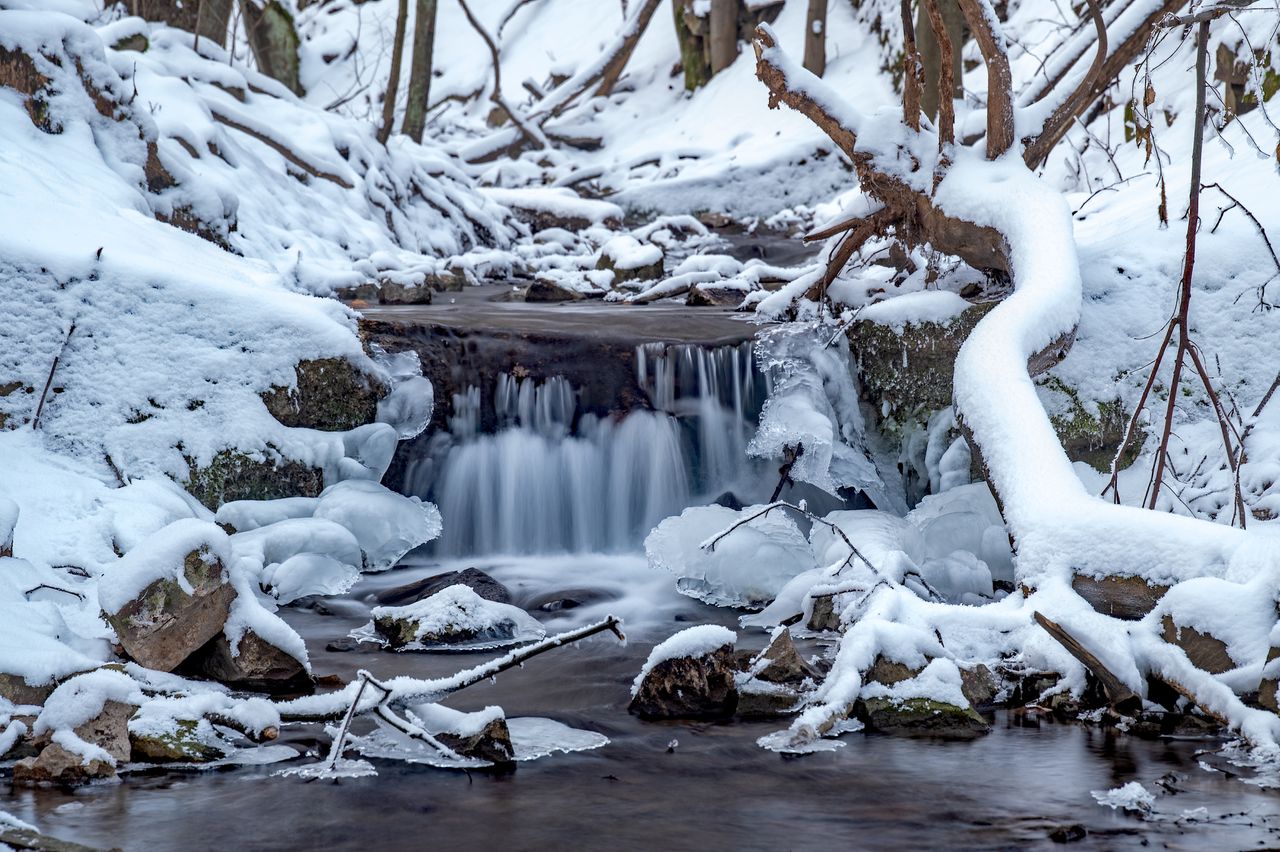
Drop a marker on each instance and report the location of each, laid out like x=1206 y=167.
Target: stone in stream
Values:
x=545 y=289
x=454 y=616
x=257 y=665
x=631 y=260
x=781 y=663
x=690 y=676
x=710 y=295
x=164 y=625
x=109 y=730
x=185 y=741
x=491 y=743
x=332 y=394
x=473 y=578
x=917 y=716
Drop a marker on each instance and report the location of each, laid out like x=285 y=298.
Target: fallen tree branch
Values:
x=532 y=133
x=1123 y=700
x=280 y=148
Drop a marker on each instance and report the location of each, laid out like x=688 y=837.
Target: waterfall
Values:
x=552 y=478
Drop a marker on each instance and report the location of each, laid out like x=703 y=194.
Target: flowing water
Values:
x=569 y=474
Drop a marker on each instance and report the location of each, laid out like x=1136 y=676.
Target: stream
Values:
x=563 y=433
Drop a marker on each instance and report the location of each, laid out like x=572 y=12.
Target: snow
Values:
x=458 y=609
x=80 y=699
x=938 y=306
x=1127 y=797
x=692 y=642
x=162 y=557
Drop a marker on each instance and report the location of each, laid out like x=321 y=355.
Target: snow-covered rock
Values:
x=688 y=676
x=455 y=617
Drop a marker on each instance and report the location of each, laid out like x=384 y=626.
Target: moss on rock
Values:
x=182 y=744
x=330 y=394
x=922 y=717
x=233 y=475
x=1087 y=437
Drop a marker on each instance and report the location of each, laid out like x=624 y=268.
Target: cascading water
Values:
x=553 y=478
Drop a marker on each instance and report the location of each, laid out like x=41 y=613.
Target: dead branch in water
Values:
x=1123 y=699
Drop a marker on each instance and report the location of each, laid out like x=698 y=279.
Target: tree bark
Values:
x=724 y=34
x=815 y=38
x=393 y=78
x=696 y=70
x=613 y=70
x=931 y=54
x=274 y=42
x=424 y=39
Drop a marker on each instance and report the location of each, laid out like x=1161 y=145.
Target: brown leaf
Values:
x=1163 y=210
x=1149 y=97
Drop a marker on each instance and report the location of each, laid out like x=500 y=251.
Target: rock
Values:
x=888 y=672
x=258 y=666
x=715 y=296
x=56 y=765
x=164 y=625
x=18 y=691
x=342 y=646
x=473 y=578
x=630 y=260
x=760 y=699
x=824 y=615
x=979 y=685
x=546 y=290
x=455 y=615
x=1068 y=833
x=783 y=663
x=1129 y=598
x=23 y=838
x=109 y=730
x=136 y=42
x=493 y=743
x=331 y=394
x=568 y=599
x=8 y=521
x=689 y=688
x=1088 y=437
x=183 y=744
x=233 y=475
x=1204 y=651
x=922 y=717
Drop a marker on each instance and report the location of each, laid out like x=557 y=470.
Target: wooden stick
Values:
x=48 y=383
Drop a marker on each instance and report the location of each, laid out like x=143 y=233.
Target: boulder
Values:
x=1267 y=691
x=547 y=290
x=109 y=730
x=233 y=475
x=1129 y=598
x=256 y=665
x=630 y=260
x=455 y=616
x=760 y=699
x=700 y=687
x=568 y=599
x=715 y=296
x=182 y=743
x=165 y=625
x=473 y=578
x=979 y=685
x=16 y=689
x=492 y=743
x=331 y=394
x=824 y=615
x=781 y=663
x=922 y=717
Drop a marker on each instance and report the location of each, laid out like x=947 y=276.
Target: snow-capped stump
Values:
x=689 y=676
x=630 y=260
x=169 y=595
x=454 y=617
x=85 y=728
x=473 y=578
x=331 y=394
x=252 y=664
x=1128 y=598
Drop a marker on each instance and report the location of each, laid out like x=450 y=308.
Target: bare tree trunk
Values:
x=696 y=70
x=274 y=41
x=393 y=79
x=815 y=38
x=206 y=18
x=612 y=71
x=424 y=40
x=724 y=34
x=931 y=53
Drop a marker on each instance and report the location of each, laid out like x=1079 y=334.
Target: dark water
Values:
x=716 y=790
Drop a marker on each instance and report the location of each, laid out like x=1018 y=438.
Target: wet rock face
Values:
x=473 y=578
x=164 y=625
x=493 y=743
x=331 y=394
x=689 y=688
x=56 y=765
x=922 y=717
x=256 y=665
x=235 y=476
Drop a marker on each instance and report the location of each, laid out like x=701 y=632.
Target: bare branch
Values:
x=985 y=27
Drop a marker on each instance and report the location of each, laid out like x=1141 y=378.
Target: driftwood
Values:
x=1123 y=699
